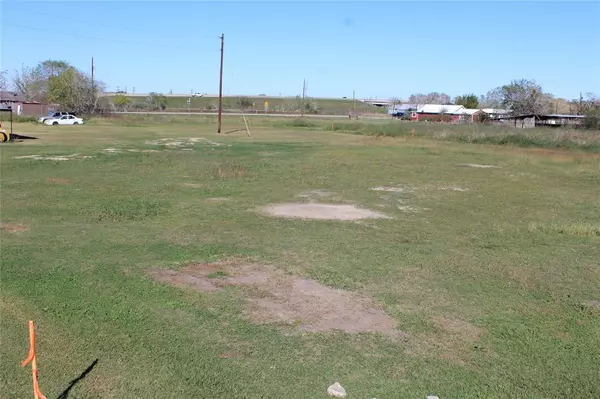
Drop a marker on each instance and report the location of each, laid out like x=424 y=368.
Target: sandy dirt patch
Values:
x=389 y=189
x=54 y=157
x=13 y=227
x=476 y=165
x=275 y=297
x=454 y=189
x=184 y=142
x=321 y=212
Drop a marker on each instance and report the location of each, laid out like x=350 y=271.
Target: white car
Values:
x=64 y=120
x=57 y=115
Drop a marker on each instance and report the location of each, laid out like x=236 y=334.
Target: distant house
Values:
x=438 y=113
x=401 y=110
x=470 y=115
x=495 y=113
x=22 y=107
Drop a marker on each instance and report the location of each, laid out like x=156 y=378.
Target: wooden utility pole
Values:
x=303 y=95
x=93 y=73
x=221 y=85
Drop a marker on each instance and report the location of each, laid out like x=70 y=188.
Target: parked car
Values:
x=64 y=120
x=54 y=115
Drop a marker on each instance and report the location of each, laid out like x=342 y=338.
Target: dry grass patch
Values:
x=274 y=297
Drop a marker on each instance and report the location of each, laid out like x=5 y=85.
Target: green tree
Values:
x=121 y=102
x=468 y=101
x=60 y=83
x=157 y=101
x=243 y=102
x=72 y=90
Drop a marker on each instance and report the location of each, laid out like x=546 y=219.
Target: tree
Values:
x=492 y=99
x=3 y=81
x=468 y=101
x=60 y=83
x=157 y=101
x=72 y=90
x=244 y=102
x=524 y=97
x=121 y=102
x=431 y=98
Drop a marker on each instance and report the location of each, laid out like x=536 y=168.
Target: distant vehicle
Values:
x=53 y=115
x=198 y=95
x=64 y=120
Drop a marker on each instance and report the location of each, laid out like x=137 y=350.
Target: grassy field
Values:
x=484 y=273
x=280 y=104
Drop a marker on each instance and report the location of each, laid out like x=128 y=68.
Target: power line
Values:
x=88 y=23
x=154 y=45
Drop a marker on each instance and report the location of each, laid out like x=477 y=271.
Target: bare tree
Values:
x=524 y=97
x=492 y=99
x=3 y=84
x=431 y=98
x=3 y=81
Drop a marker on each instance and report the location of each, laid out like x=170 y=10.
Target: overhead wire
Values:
x=104 y=39
x=96 y=23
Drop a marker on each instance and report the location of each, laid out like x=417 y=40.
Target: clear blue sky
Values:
x=380 y=49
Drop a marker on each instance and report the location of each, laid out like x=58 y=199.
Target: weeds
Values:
x=475 y=134
x=130 y=209
x=569 y=229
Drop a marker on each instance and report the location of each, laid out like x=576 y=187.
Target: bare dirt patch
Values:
x=195 y=185
x=389 y=189
x=13 y=227
x=275 y=297
x=58 y=180
x=476 y=165
x=311 y=194
x=217 y=199
x=465 y=330
x=321 y=212
x=54 y=157
x=592 y=305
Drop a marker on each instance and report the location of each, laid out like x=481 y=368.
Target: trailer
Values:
x=6 y=136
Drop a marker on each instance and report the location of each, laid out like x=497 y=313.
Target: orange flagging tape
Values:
x=37 y=394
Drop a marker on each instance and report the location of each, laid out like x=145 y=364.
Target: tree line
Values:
x=58 y=82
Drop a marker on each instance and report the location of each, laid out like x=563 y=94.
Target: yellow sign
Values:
x=266 y=103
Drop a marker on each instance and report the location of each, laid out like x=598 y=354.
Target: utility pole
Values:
x=353 y=102
x=221 y=85
x=303 y=95
x=580 y=103
x=93 y=73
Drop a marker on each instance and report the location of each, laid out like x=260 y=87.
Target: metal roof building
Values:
x=439 y=109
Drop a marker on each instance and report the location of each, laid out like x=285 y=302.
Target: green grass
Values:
x=486 y=283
